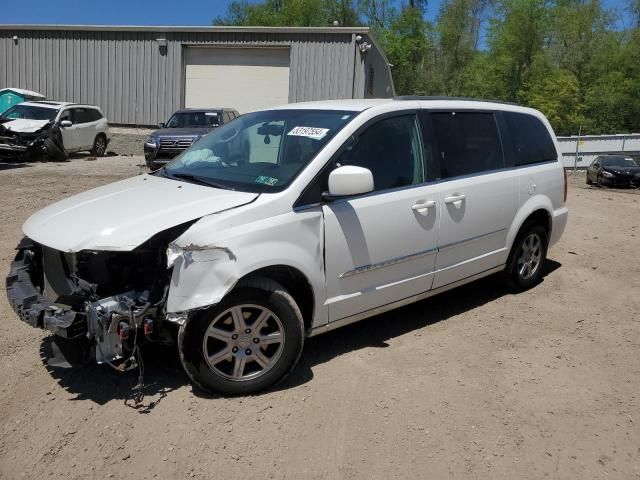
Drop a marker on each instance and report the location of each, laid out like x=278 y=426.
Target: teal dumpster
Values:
x=10 y=96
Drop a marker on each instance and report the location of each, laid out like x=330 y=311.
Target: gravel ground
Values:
x=475 y=383
x=127 y=141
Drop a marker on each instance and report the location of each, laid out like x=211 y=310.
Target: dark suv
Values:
x=185 y=127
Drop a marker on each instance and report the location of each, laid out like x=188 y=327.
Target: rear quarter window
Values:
x=94 y=114
x=84 y=115
x=529 y=138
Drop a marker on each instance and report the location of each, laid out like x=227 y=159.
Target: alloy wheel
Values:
x=243 y=342
x=530 y=256
x=101 y=146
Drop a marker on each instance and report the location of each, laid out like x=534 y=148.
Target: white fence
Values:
x=588 y=147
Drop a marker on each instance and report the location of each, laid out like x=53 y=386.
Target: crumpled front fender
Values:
x=203 y=273
x=201 y=277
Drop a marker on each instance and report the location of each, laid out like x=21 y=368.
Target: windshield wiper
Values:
x=198 y=180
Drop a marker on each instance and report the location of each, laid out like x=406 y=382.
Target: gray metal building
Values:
x=140 y=75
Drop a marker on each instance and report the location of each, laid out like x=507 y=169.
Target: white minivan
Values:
x=290 y=222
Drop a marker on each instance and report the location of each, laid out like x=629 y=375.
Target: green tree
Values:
x=555 y=92
x=281 y=13
x=410 y=51
x=516 y=39
x=564 y=57
x=378 y=14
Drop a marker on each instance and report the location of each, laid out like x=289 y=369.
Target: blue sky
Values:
x=151 y=12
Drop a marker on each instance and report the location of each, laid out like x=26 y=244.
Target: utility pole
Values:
x=575 y=160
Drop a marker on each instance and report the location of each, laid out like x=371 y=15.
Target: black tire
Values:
x=53 y=150
x=599 y=181
x=99 y=148
x=589 y=182
x=516 y=279
x=259 y=292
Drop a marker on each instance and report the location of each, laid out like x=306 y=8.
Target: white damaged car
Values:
x=52 y=130
x=290 y=222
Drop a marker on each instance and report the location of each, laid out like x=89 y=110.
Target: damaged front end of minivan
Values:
x=109 y=300
x=41 y=144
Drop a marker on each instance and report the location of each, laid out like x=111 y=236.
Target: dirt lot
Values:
x=476 y=383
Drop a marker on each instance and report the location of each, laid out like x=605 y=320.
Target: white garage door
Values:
x=242 y=78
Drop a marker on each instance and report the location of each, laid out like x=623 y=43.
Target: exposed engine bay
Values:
x=42 y=144
x=113 y=300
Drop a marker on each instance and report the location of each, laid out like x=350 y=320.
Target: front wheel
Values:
x=251 y=340
x=527 y=257
x=589 y=182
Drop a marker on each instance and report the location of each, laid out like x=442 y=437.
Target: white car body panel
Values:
x=105 y=212
x=379 y=252
x=24 y=125
x=372 y=262
x=221 y=249
x=473 y=230
x=71 y=138
x=80 y=136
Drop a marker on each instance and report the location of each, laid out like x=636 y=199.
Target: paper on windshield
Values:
x=265 y=180
x=314 y=133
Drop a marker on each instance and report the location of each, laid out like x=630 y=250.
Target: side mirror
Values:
x=349 y=180
x=65 y=123
x=161 y=125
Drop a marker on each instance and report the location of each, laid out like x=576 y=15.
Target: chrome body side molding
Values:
x=400 y=303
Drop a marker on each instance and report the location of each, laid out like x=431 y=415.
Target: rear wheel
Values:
x=248 y=342
x=99 y=146
x=527 y=257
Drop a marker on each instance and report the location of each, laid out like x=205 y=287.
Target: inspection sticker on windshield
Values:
x=310 y=132
x=267 y=180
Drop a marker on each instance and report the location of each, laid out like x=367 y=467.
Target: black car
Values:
x=614 y=170
x=185 y=127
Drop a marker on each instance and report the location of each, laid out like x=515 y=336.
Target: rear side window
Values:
x=94 y=114
x=82 y=115
x=468 y=143
x=530 y=139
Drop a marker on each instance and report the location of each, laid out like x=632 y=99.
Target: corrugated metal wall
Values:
x=134 y=82
x=591 y=146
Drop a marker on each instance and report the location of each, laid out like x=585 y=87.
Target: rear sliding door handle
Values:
x=456 y=198
x=422 y=206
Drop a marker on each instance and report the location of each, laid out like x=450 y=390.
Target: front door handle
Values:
x=422 y=206
x=456 y=198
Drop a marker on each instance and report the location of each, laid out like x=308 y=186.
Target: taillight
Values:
x=564 y=170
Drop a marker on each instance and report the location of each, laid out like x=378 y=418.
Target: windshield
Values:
x=619 y=162
x=30 y=112
x=260 y=151
x=194 y=120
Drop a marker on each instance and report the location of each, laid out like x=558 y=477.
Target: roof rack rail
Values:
x=52 y=102
x=421 y=97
